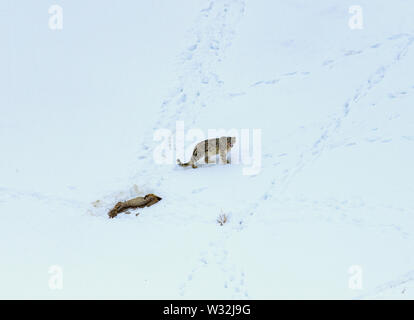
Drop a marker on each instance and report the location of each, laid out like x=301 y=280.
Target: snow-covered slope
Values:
x=331 y=205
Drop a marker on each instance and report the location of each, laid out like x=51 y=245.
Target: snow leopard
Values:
x=210 y=148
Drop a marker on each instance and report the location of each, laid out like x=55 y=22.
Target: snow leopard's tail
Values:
x=183 y=164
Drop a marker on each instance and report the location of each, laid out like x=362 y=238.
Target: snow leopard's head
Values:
x=231 y=141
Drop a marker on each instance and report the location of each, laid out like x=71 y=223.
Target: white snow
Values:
x=80 y=106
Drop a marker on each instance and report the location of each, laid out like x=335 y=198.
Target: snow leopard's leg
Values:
x=223 y=156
